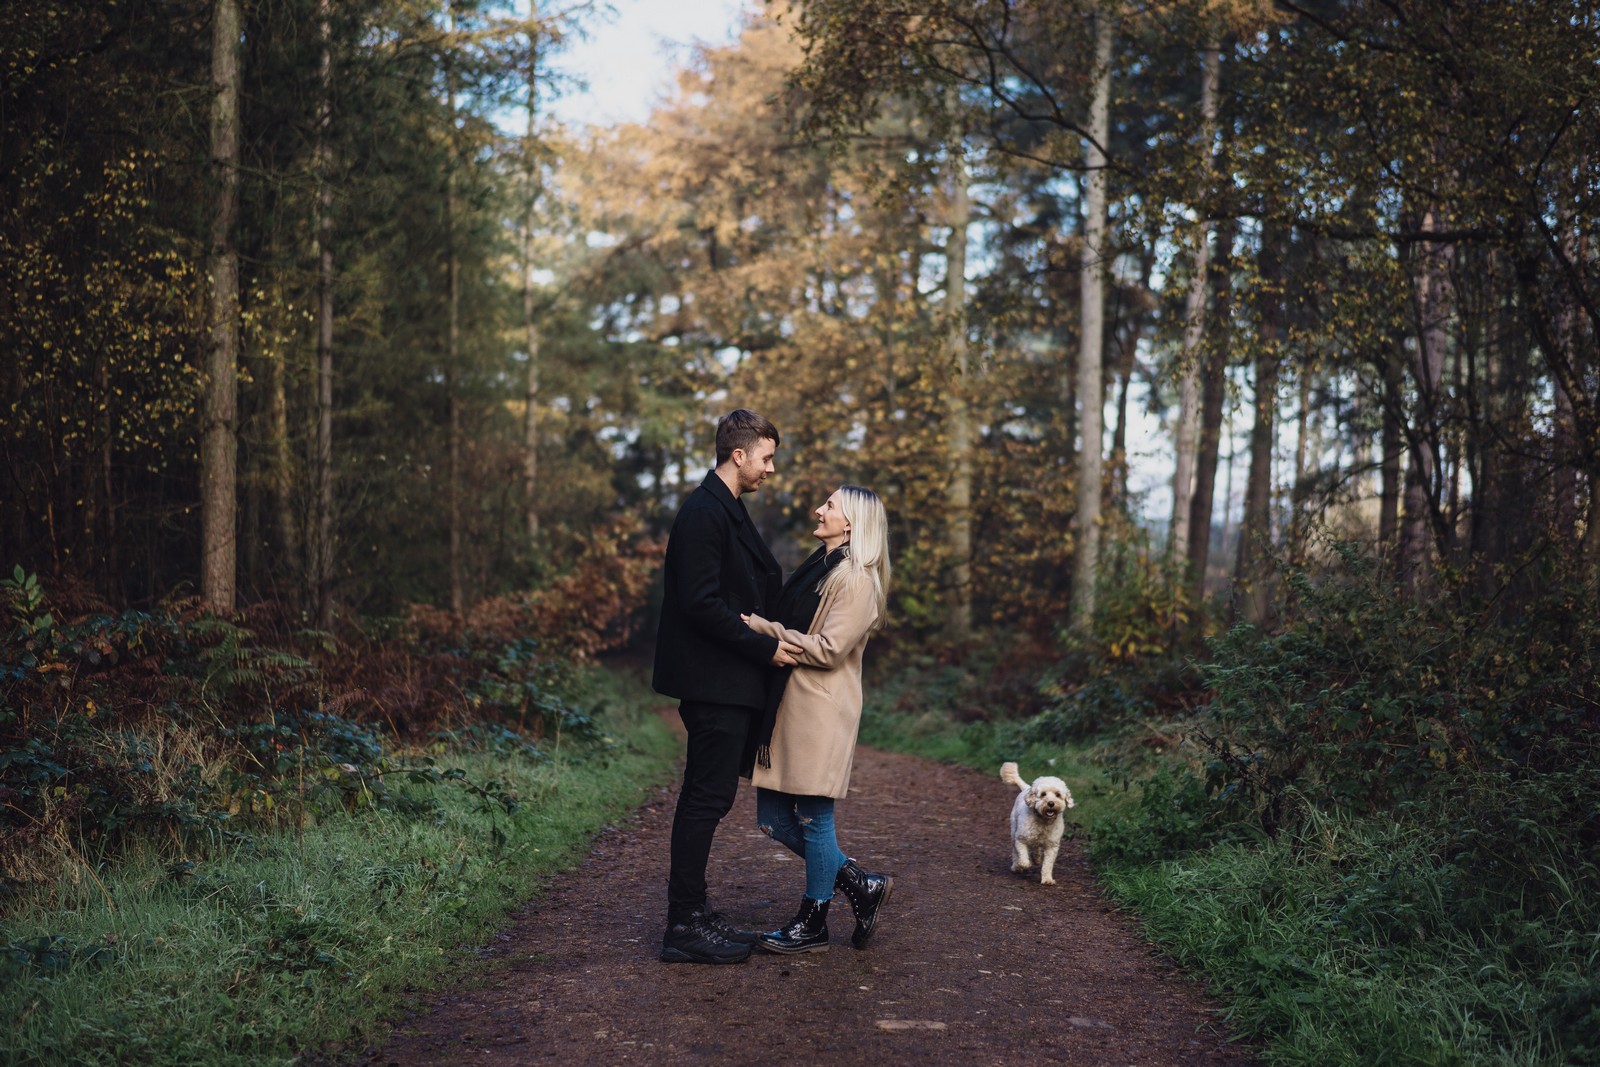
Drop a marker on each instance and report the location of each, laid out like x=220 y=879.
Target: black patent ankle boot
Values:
x=867 y=894
x=807 y=931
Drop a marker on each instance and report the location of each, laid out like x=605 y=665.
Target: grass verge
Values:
x=1461 y=928
x=1100 y=793
x=257 y=948
x=1351 y=946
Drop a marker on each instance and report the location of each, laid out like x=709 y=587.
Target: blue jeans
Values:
x=804 y=825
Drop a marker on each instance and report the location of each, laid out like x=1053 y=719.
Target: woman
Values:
x=807 y=739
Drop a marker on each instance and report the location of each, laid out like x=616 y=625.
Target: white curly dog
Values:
x=1036 y=821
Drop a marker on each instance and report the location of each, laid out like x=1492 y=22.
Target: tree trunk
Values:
x=1252 y=582
x=1566 y=446
x=322 y=564
x=452 y=355
x=1564 y=481
x=1091 y=340
x=219 y=437
x=1299 y=518
x=530 y=428
x=1188 y=429
x=958 y=493
x=1393 y=449
x=1214 y=393
x=98 y=518
x=1127 y=360
x=281 y=456
x=1591 y=533
x=1421 y=502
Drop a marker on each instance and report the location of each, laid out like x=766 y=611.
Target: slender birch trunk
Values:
x=1299 y=521
x=1213 y=396
x=530 y=426
x=958 y=494
x=281 y=457
x=1122 y=375
x=1188 y=428
x=1091 y=397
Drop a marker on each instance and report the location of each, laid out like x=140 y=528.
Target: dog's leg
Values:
x=1022 y=858
x=1047 y=863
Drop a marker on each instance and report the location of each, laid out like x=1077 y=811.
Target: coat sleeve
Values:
x=842 y=621
x=698 y=580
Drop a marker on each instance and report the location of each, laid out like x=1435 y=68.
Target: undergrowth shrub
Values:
x=175 y=725
x=1380 y=837
x=1172 y=817
x=1462 y=929
x=1128 y=674
x=1366 y=697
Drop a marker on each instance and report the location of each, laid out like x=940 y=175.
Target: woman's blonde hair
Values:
x=869 y=546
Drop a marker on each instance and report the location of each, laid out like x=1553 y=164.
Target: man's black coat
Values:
x=717 y=568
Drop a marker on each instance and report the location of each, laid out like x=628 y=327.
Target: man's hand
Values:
x=786 y=654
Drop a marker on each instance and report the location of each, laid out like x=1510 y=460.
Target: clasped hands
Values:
x=788 y=653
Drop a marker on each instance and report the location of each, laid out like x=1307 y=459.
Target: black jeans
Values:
x=710 y=782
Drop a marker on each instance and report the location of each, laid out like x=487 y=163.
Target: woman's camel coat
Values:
x=814 y=739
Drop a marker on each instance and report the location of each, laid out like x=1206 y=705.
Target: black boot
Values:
x=694 y=940
x=867 y=894
x=719 y=922
x=808 y=930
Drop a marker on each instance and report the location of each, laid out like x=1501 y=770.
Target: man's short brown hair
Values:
x=742 y=429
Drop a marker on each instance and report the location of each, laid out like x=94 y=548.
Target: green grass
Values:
x=983 y=745
x=1462 y=929
x=1363 y=942
x=256 y=949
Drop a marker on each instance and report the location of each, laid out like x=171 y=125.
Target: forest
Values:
x=1230 y=370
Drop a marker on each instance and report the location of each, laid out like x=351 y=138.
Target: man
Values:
x=717 y=568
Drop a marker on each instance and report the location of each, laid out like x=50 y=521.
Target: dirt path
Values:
x=972 y=964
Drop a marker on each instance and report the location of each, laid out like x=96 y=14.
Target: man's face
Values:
x=755 y=464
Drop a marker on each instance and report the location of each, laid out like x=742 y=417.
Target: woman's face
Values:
x=833 y=529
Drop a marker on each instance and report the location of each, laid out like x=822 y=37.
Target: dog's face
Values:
x=1048 y=797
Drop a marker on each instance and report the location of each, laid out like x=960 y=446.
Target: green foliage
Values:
x=1365 y=698
x=1386 y=842
x=1457 y=925
x=918 y=706
x=1102 y=704
x=1437 y=939
x=518 y=683
x=232 y=659
x=1171 y=818
x=119 y=726
x=306 y=937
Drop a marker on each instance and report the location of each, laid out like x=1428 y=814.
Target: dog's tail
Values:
x=1009 y=775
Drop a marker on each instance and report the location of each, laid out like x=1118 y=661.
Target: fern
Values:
x=234 y=661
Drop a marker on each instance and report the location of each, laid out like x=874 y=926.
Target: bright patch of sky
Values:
x=630 y=55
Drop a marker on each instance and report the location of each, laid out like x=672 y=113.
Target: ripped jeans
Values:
x=803 y=825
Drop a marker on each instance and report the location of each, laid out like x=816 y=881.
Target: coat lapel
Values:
x=748 y=536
